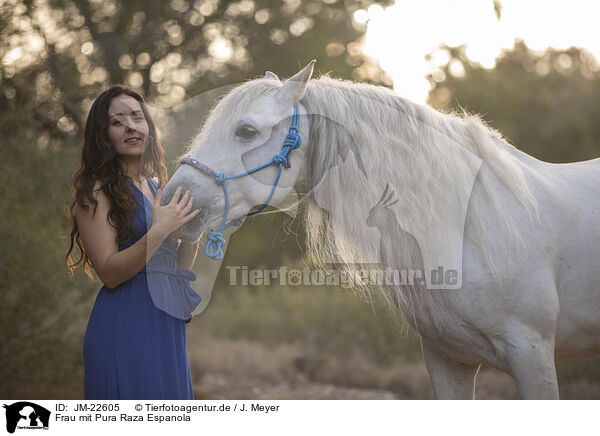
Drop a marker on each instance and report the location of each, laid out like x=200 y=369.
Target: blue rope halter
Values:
x=215 y=243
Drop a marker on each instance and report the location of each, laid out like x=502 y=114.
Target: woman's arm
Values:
x=186 y=254
x=99 y=237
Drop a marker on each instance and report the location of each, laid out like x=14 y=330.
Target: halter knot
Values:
x=214 y=245
x=293 y=139
x=219 y=177
x=279 y=159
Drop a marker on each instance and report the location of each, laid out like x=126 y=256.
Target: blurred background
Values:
x=529 y=68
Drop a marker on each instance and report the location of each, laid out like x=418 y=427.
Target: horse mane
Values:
x=413 y=147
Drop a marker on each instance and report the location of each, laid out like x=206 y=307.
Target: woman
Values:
x=135 y=342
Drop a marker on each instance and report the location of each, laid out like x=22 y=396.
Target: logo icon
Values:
x=26 y=415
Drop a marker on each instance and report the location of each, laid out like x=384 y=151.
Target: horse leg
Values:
x=530 y=359
x=450 y=380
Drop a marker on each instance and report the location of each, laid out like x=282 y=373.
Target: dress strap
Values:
x=152 y=185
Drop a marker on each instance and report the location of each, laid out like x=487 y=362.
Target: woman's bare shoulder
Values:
x=99 y=196
x=97 y=188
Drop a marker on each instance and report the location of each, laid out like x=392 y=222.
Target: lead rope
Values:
x=215 y=240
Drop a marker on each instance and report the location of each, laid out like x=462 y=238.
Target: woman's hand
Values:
x=173 y=215
x=99 y=237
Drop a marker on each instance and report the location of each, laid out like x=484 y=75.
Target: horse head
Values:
x=246 y=130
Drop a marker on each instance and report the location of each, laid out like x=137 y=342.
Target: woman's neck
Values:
x=133 y=168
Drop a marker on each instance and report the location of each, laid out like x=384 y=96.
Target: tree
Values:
x=547 y=104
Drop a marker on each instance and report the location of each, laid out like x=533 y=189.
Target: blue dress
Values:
x=135 y=342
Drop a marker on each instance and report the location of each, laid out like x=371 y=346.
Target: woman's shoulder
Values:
x=98 y=193
x=97 y=190
x=98 y=200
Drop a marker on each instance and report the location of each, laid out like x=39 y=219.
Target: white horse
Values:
x=521 y=236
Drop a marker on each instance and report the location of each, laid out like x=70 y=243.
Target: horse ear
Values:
x=293 y=88
x=272 y=76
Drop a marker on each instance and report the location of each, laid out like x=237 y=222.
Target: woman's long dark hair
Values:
x=100 y=162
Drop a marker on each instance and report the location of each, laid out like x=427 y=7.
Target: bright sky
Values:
x=401 y=35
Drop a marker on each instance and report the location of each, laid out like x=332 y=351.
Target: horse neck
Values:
x=376 y=122
x=382 y=217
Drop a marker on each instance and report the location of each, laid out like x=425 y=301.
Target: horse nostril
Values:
x=198 y=220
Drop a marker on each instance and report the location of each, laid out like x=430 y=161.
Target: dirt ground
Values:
x=226 y=369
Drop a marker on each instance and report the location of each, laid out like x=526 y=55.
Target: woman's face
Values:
x=127 y=128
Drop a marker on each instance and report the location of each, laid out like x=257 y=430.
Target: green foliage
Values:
x=42 y=309
x=547 y=105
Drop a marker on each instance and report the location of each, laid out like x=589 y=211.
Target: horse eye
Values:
x=246 y=132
